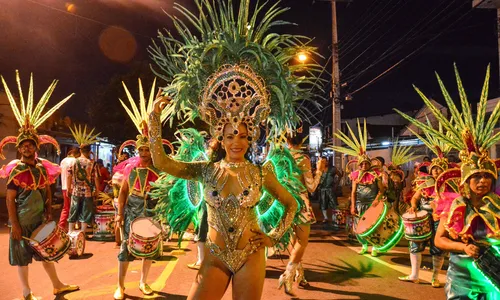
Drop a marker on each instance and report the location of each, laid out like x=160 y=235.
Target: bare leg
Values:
x=146 y=266
x=248 y=282
x=51 y=271
x=211 y=281
x=23 y=273
x=122 y=272
x=84 y=227
x=302 y=233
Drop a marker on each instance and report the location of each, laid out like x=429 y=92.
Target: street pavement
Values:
x=332 y=264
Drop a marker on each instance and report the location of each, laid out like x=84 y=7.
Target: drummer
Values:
x=29 y=197
x=367 y=186
x=424 y=198
x=470 y=222
x=133 y=198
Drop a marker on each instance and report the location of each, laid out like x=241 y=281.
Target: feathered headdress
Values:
x=356 y=144
x=139 y=116
x=400 y=155
x=471 y=137
x=437 y=146
x=29 y=116
x=233 y=70
x=84 y=137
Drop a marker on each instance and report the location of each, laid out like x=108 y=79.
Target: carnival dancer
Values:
x=367 y=186
x=302 y=225
x=233 y=91
x=66 y=164
x=82 y=180
x=425 y=198
x=133 y=200
x=470 y=221
x=29 y=197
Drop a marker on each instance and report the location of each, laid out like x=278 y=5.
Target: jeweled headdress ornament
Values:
x=471 y=137
x=356 y=144
x=235 y=71
x=83 y=137
x=29 y=116
x=139 y=116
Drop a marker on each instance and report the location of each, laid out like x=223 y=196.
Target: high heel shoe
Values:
x=300 y=277
x=286 y=279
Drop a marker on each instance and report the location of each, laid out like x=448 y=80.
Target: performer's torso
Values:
x=366 y=192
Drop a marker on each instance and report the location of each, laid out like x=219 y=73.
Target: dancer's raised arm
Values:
x=162 y=161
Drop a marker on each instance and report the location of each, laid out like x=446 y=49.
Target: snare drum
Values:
x=50 y=241
x=145 y=238
x=77 y=247
x=381 y=226
x=104 y=229
x=417 y=226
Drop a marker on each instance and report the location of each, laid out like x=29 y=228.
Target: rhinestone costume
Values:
x=230 y=213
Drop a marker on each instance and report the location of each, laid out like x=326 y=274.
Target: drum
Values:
x=381 y=226
x=77 y=247
x=145 y=238
x=339 y=217
x=49 y=241
x=489 y=264
x=104 y=228
x=417 y=226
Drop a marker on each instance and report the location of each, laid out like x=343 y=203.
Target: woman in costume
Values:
x=469 y=224
x=367 y=186
x=425 y=198
x=302 y=225
x=29 y=196
x=133 y=199
x=234 y=76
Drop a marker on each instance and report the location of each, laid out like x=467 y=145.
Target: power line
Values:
x=412 y=53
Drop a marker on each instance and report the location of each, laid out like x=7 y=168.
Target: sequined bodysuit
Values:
x=232 y=192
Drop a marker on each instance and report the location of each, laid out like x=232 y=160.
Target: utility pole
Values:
x=335 y=92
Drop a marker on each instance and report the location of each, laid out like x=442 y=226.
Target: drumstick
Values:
x=31 y=240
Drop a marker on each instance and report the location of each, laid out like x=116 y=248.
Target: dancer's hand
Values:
x=260 y=240
x=15 y=231
x=471 y=250
x=160 y=101
x=412 y=210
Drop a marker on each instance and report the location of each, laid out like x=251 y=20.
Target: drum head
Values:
x=145 y=227
x=370 y=217
x=43 y=231
x=418 y=216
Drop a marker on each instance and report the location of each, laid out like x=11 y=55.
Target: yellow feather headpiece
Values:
x=29 y=115
x=84 y=137
x=139 y=116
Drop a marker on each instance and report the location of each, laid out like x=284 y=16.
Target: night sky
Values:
x=73 y=41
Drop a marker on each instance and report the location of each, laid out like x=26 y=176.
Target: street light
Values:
x=302 y=57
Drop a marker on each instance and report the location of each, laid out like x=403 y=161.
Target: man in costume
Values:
x=237 y=76
x=29 y=197
x=66 y=165
x=82 y=180
x=469 y=226
x=133 y=200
